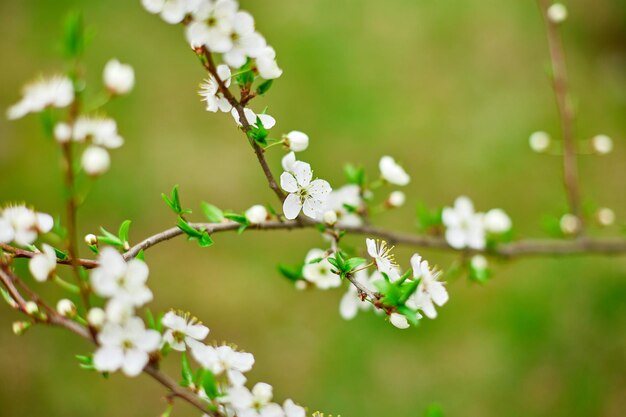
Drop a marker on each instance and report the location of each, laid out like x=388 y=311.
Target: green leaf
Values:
x=209 y=384
x=434 y=410
x=264 y=87
x=141 y=255
x=426 y=218
x=212 y=213
x=291 y=273
x=205 y=240
x=123 y=230
x=186 y=371
x=353 y=263
x=150 y=319
x=407 y=290
x=47 y=122
x=174 y=202
x=74 y=35
x=60 y=254
x=245 y=76
x=410 y=314
x=110 y=239
x=239 y=218
x=202 y=236
x=354 y=175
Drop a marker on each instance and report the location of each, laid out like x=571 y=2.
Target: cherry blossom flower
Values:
x=119 y=78
x=96 y=317
x=223 y=359
x=266 y=64
x=539 y=141
x=182 y=331
x=22 y=225
x=391 y=172
x=256 y=214
x=171 y=11
x=430 y=291
x=245 y=41
x=125 y=346
x=497 y=221
x=99 y=131
x=66 y=308
x=304 y=194
x=292 y=409
x=212 y=25
x=43 y=264
x=348 y=195
x=56 y=91
x=396 y=199
x=121 y=280
x=464 y=227
x=254 y=403
x=296 y=141
x=557 y=13
x=602 y=144
x=267 y=121
x=605 y=216
x=399 y=321
x=383 y=258
x=95 y=160
x=319 y=272
x=209 y=91
x=288 y=161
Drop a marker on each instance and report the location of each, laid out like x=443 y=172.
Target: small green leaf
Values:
x=212 y=213
x=434 y=410
x=239 y=218
x=264 y=87
x=150 y=319
x=60 y=254
x=291 y=273
x=141 y=255
x=354 y=175
x=210 y=385
x=123 y=230
x=74 y=35
x=186 y=371
x=353 y=263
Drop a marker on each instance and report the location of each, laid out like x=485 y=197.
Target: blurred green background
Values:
x=452 y=88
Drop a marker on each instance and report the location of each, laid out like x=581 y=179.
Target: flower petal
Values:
x=292 y=206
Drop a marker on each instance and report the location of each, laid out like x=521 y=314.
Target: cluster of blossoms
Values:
x=22 y=225
x=468 y=229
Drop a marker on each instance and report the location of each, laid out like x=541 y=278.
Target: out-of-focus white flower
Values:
x=223 y=359
x=304 y=194
x=43 y=264
x=479 y=262
x=497 y=221
x=391 y=172
x=319 y=272
x=288 y=161
x=430 y=291
x=255 y=403
x=557 y=13
x=95 y=160
x=125 y=346
x=399 y=321
x=171 y=11
x=383 y=258
x=210 y=91
x=296 y=141
x=602 y=144
x=292 y=409
x=330 y=217
x=56 y=91
x=245 y=41
x=100 y=131
x=266 y=64
x=605 y=216
x=338 y=201
x=539 y=141
x=464 y=227
x=119 y=311
x=570 y=224
x=396 y=199
x=66 y=308
x=256 y=214
x=212 y=25
x=267 y=121
x=62 y=132
x=22 y=225
x=118 y=78
x=96 y=317
x=117 y=279
x=182 y=331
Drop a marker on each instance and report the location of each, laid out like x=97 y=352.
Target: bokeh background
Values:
x=452 y=89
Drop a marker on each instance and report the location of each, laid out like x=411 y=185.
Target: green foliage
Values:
x=85 y=362
x=434 y=410
x=212 y=213
x=120 y=241
x=186 y=372
x=202 y=236
x=238 y=218
x=292 y=273
x=258 y=132
x=355 y=175
x=264 y=87
x=74 y=40
x=174 y=202
x=245 y=76
x=343 y=264
x=209 y=384
x=427 y=218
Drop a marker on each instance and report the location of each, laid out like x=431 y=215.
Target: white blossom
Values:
x=399 y=321
x=95 y=160
x=119 y=311
x=266 y=64
x=605 y=216
x=210 y=91
x=296 y=141
x=66 y=308
x=330 y=217
x=539 y=141
x=31 y=308
x=171 y=11
x=267 y=121
x=43 y=264
x=464 y=227
x=602 y=144
x=430 y=291
x=557 y=13
x=212 y=25
x=318 y=270
x=254 y=403
x=245 y=41
x=119 y=78
x=391 y=172
x=348 y=195
x=91 y=239
x=56 y=91
x=497 y=221
x=288 y=161
x=570 y=224
x=96 y=317
x=99 y=131
x=304 y=194
x=62 y=132
x=383 y=258
x=396 y=199
x=120 y=280
x=22 y=225
x=223 y=359
x=479 y=262
x=292 y=409
x=256 y=214
x=182 y=331
x=125 y=346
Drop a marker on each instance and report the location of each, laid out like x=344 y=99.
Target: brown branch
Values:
x=21 y=253
x=566 y=113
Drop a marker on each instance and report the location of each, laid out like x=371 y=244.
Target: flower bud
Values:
x=557 y=13
x=31 y=308
x=297 y=141
x=301 y=284
x=95 y=160
x=330 y=217
x=479 y=262
x=399 y=321
x=66 y=308
x=91 y=239
x=62 y=132
x=497 y=221
x=119 y=78
x=256 y=214
x=20 y=327
x=96 y=317
x=605 y=216
x=602 y=144
x=570 y=224
x=539 y=142
x=396 y=199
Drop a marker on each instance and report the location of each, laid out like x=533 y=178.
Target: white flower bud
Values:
x=62 y=132
x=396 y=199
x=256 y=214
x=31 y=308
x=479 y=262
x=301 y=284
x=91 y=239
x=96 y=317
x=95 y=160
x=399 y=321
x=605 y=216
x=497 y=221
x=119 y=78
x=330 y=217
x=66 y=308
x=557 y=13
x=602 y=144
x=570 y=224
x=539 y=141
x=20 y=327
x=393 y=173
x=297 y=141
